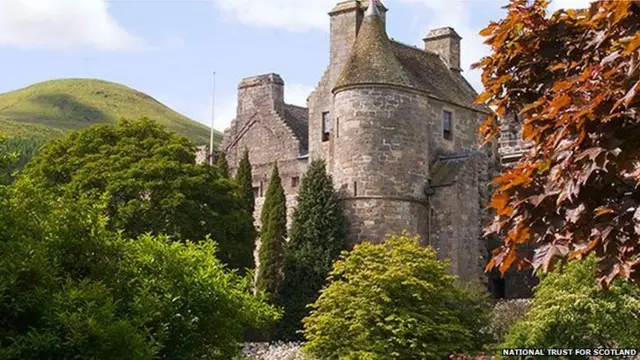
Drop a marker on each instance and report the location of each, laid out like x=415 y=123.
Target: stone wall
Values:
x=381 y=160
x=456 y=220
x=465 y=126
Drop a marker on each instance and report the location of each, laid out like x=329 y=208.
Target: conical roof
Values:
x=372 y=60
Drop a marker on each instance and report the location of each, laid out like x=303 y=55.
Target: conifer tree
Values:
x=223 y=166
x=245 y=180
x=272 y=238
x=317 y=237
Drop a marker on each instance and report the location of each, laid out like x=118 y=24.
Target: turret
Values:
x=381 y=139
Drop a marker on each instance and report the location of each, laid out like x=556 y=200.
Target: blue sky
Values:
x=170 y=48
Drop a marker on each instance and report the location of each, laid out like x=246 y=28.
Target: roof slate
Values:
x=372 y=60
x=297 y=119
x=429 y=73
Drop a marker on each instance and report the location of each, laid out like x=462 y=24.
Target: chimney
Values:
x=260 y=94
x=346 y=18
x=446 y=43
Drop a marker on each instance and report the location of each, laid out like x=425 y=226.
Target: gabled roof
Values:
x=429 y=73
x=297 y=119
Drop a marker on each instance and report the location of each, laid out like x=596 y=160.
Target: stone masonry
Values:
x=397 y=128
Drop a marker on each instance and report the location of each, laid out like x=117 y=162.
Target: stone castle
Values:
x=397 y=127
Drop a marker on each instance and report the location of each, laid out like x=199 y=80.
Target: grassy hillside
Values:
x=49 y=109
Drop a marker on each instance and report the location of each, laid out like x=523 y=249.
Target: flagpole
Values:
x=213 y=107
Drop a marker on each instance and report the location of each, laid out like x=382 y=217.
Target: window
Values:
x=355 y=188
x=256 y=192
x=447 y=125
x=295 y=181
x=326 y=126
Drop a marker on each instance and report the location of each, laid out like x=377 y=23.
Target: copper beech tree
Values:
x=572 y=78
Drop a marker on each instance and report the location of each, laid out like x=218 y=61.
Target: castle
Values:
x=397 y=127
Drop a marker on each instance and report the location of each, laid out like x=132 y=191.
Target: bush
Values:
x=71 y=289
x=570 y=311
x=394 y=300
x=505 y=315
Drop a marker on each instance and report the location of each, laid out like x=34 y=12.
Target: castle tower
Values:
x=381 y=159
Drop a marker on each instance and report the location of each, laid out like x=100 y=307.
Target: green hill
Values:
x=49 y=109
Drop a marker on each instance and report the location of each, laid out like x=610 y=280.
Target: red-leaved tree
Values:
x=573 y=79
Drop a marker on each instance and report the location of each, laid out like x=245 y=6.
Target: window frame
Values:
x=447 y=132
x=326 y=126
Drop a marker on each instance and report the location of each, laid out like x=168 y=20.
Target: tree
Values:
x=569 y=311
x=573 y=80
x=223 y=165
x=152 y=183
x=317 y=237
x=72 y=289
x=245 y=181
x=273 y=234
x=394 y=300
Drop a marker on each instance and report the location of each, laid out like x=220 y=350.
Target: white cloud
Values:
x=62 y=24
x=296 y=15
x=292 y=15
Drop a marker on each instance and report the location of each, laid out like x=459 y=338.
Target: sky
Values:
x=170 y=49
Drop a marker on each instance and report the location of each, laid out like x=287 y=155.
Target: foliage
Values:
x=505 y=315
x=394 y=300
x=7 y=160
x=273 y=234
x=21 y=150
x=573 y=78
x=223 y=165
x=569 y=311
x=50 y=108
x=71 y=289
x=317 y=237
x=245 y=181
x=153 y=185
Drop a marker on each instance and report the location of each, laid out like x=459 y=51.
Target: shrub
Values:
x=570 y=311
x=72 y=289
x=506 y=314
x=394 y=300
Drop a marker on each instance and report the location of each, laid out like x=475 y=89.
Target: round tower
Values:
x=381 y=139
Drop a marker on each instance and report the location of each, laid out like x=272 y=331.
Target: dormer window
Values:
x=326 y=126
x=447 y=126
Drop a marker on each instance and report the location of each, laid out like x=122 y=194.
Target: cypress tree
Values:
x=223 y=166
x=272 y=238
x=245 y=180
x=317 y=237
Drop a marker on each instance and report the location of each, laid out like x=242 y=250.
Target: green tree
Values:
x=273 y=234
x=223 y=165
x=569 y=311
x=152 y=183
x=317 y=236
x=245 y=181
x=394 y=300
x=72 y=289
x=572 y=79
